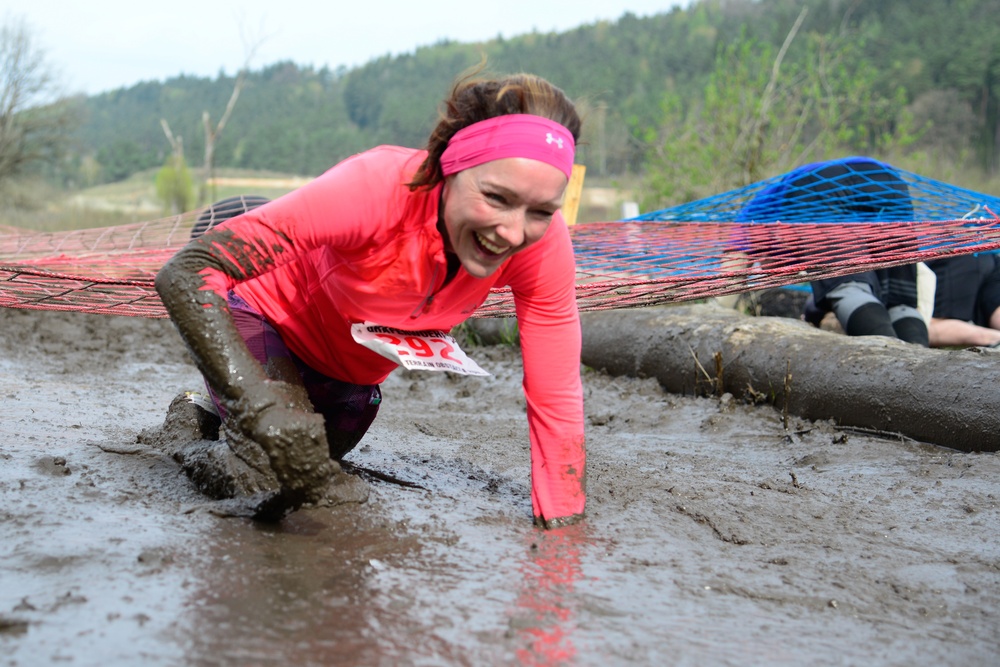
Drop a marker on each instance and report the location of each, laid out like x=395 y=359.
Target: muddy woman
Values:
x=295 y=311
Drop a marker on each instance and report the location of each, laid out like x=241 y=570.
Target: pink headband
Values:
x=514 y=135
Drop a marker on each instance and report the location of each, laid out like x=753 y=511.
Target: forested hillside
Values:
x=935 y=63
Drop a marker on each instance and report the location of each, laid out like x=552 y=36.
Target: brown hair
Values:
x=475 y=99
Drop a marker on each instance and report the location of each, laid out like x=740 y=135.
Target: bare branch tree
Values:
x=212 y=134
x=35 y=121
x=173 y=184
x=176 y=143
x=753 y=134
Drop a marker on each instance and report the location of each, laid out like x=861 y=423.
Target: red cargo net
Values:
x=619 y=264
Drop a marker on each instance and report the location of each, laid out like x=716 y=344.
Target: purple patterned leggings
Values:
x=348 y=409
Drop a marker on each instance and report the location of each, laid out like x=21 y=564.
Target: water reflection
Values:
x=544 y=618
x=299 y=593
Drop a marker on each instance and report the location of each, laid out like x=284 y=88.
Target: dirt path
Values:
x=714 y=536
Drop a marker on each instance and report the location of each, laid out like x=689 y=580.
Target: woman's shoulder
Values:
x=376 y=174
x=386 y=157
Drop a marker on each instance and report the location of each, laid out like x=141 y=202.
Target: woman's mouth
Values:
x=488 y=246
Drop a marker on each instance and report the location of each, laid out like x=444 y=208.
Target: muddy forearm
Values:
x=274 y=414
x=205 y=324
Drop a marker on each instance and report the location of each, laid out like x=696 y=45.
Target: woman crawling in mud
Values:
x=397 y=244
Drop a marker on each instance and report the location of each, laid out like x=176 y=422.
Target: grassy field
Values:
x=43 y=208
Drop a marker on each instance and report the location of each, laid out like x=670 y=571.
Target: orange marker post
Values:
x=574 y=191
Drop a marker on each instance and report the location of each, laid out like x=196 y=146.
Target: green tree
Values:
x=122 y=158
x=175 y=187
x=763 y=113
x=294 y=118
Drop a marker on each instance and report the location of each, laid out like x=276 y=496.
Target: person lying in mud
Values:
x=880 y=302
x=278 y=303
x=966 y=301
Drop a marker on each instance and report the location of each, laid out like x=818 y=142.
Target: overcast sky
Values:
x=100 y=45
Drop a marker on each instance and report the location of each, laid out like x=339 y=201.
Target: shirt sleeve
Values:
x=336 y=209
x=543 y=281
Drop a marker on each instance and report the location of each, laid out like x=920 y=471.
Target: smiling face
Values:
x=496 y=209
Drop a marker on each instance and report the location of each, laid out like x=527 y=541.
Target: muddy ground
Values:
x=715 y=536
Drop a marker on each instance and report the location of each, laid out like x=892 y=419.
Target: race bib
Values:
x=416 y=350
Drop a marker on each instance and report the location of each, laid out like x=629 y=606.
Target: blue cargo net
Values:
x=851 y=189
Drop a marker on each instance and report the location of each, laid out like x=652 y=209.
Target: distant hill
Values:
x=299 y=120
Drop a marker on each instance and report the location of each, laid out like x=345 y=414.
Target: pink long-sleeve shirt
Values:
x=356 y=245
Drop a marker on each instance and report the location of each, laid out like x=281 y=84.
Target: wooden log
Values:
x=945 y=397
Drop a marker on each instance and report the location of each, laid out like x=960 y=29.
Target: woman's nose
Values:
x=511 y=230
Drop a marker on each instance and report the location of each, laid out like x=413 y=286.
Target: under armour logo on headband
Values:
x=510 y=135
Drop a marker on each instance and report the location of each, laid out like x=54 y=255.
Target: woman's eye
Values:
x=493 y=196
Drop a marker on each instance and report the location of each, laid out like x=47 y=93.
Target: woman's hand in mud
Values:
x=279 y=417
x=295 y=443
x=559 y=521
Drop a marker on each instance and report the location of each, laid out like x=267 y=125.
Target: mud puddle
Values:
x=714 y=537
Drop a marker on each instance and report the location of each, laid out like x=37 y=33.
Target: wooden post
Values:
x=574 y=190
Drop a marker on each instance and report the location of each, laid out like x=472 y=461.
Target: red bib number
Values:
x=416 y=350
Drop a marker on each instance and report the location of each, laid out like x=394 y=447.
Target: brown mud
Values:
x=715 y=535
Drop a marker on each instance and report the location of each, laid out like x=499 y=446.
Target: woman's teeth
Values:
x=486 y=243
